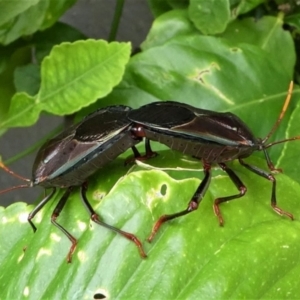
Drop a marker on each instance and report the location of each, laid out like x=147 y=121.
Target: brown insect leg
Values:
x=240 y=186
x=193 y=204
x=137 y=156
x=38 y=208
x=270 y=177
x=56 y=212
x=95 y=217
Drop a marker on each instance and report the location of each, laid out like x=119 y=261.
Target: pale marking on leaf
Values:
x=285 y=246
x=4 y=220
x=82 y=256
x=220 y=94
x=199 y=73
x=277 y=24
x=55 y=237
x=26 y=291
x=43 y=251
x=20 y=257
x=81 y=225
x=98 y=195
x=146 y=166
x=23 y=217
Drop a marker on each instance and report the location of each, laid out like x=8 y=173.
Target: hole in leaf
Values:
x=99 y=296
x=163 y=189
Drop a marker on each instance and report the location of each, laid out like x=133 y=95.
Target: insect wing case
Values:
x=213 y=136
x=75 y=154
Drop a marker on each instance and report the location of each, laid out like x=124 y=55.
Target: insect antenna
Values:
x=286 y=103
x=275 y=126
x=21 y=186
x=282 y=113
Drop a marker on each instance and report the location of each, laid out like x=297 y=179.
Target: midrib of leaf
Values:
x=254 y=102
x=269 y=35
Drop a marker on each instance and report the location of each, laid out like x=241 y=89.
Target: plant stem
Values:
x=116 y=20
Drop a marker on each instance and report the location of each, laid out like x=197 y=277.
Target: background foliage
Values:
x=236 y=56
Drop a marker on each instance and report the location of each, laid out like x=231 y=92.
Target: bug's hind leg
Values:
x=56 y=212
x=240 y=186
x=270 y=177
x=193 y=204
x=95 y=217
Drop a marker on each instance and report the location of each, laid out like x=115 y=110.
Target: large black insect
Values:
x=212 y=137
x=67 y=160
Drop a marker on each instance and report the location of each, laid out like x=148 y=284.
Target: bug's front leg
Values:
x=193 y=204
x=38 y=208
x=270 y=177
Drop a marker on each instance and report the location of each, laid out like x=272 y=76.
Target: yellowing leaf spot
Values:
x=26 y=291
x=42 y=252
x=20 y=257
x=55 y=237
x=81 y=225
x=82 y=256
x=23 y=217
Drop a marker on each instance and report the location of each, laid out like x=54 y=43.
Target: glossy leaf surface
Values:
x=191 y=257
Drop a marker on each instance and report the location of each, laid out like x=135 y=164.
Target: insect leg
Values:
x=38 y=208
x=95 y=217
x=193 y=204
x=240 y=186
x=270 y=177
x=56 y=212
x=149 y=153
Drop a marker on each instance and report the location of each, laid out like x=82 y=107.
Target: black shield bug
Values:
x=67 y=160
x=212 y=137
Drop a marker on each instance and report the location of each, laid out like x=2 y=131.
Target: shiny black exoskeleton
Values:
x=67 y=160
x=212 y=137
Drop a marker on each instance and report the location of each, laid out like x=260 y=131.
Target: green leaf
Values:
x=293 y=19
x=266 y=33
x=13 y=57
x=288 y=159
x=210 y=17
x=159 y=7
x=54 y=11
x=27 y=79
x=73 y=76
x=26 y=23
x=190 y=258
x=243 y=7
x=22 y=18
x=45 y=40
x=170 y=25
x=10 y=9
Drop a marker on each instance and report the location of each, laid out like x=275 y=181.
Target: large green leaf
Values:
x=73 y=76
x=254 y=255
x=210 y=17
x=266 y=33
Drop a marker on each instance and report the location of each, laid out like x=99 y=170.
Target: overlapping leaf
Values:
x=73 y=76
